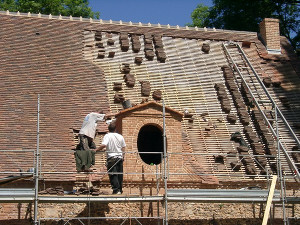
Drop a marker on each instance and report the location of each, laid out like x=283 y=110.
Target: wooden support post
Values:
x=269 y=201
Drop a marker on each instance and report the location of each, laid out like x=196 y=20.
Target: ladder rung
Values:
x=264 y=101
x=293 y=152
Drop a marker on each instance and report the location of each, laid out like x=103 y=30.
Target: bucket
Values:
x=126 y=104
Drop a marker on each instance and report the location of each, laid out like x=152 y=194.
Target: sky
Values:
x=173 y=12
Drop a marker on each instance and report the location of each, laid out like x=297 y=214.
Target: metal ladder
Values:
x=262 y=98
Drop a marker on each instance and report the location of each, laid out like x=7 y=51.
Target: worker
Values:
x=88 y=129
x=84 y=156
x=115 y=147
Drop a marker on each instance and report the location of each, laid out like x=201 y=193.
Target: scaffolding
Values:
x=177 y=195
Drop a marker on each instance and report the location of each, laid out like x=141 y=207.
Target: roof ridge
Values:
x=122 y=23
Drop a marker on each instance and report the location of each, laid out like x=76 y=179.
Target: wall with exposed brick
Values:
x=130 y=124
x=269 y=30
x=178 y=213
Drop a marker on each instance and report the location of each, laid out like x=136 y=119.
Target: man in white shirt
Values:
x=115 y=147
x=88 y=130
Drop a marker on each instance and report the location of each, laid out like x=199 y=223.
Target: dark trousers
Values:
x=85 y=142
x=115 y=165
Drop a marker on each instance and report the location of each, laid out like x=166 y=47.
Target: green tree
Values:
x=199 y=16
x=55 y=7
x=246 y=15
x=8 y=5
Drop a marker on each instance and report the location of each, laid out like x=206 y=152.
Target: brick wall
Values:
x=269 y=30
x=179 y=213
x=130 y=125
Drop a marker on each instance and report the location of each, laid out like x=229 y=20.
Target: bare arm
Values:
x=100 y=147
x=109 y=115
x=123 y=150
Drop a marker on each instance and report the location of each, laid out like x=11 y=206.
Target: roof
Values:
x=59 y=59
x=148 y=104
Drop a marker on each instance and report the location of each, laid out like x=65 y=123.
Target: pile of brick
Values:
x=59 y=190
x=264 y=133
x=255 y=142
x=159 y=48
x=236 y=95
x=247 y=97
x=231 y=118
x=145 y=88
x=119 y=98
x=111 y=54
x=88 y=191
x=110 y=41
x=125 y=68
x=205 y=48
x=232 y=155
x=148 y=47
x=223 y=98
x=128 y=78
x=136 y=45
x=157 y=94
x=118 y=86
x=138 y=60
x=124 y=42
x=268 y=81
x=257 y=147
x=99 y=44
x=244 y=155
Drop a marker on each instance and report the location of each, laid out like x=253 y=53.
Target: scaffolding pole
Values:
x=165 y=164
x=36 y=172
x=280 y=172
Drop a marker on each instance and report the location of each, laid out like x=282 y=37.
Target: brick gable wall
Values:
x=131 y=125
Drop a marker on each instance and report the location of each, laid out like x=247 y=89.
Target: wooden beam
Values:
x=269 y=201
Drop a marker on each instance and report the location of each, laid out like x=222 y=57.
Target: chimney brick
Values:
x=269 y=30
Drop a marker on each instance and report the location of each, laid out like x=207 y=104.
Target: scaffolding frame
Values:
x=237 y=196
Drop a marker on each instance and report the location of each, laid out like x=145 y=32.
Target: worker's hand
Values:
x=109 y=115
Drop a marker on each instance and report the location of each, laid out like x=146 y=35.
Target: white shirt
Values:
x=114 y=143
x=90 y=123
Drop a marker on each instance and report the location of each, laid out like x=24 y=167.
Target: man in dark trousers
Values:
x=84 y=157
x=115 y=147
x=88 y=130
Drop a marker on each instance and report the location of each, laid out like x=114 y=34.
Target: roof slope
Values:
x=60 y=60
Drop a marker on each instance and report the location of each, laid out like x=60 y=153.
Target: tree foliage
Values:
x=199 y=16
x=55 y=7
x=246 y=15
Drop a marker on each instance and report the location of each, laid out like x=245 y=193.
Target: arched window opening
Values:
x=150 y=139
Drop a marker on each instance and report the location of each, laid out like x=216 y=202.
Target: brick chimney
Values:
x=269 y=30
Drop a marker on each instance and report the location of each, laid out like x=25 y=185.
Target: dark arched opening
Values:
x=150 y=139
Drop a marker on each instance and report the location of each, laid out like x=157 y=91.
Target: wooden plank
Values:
x=269 y=201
